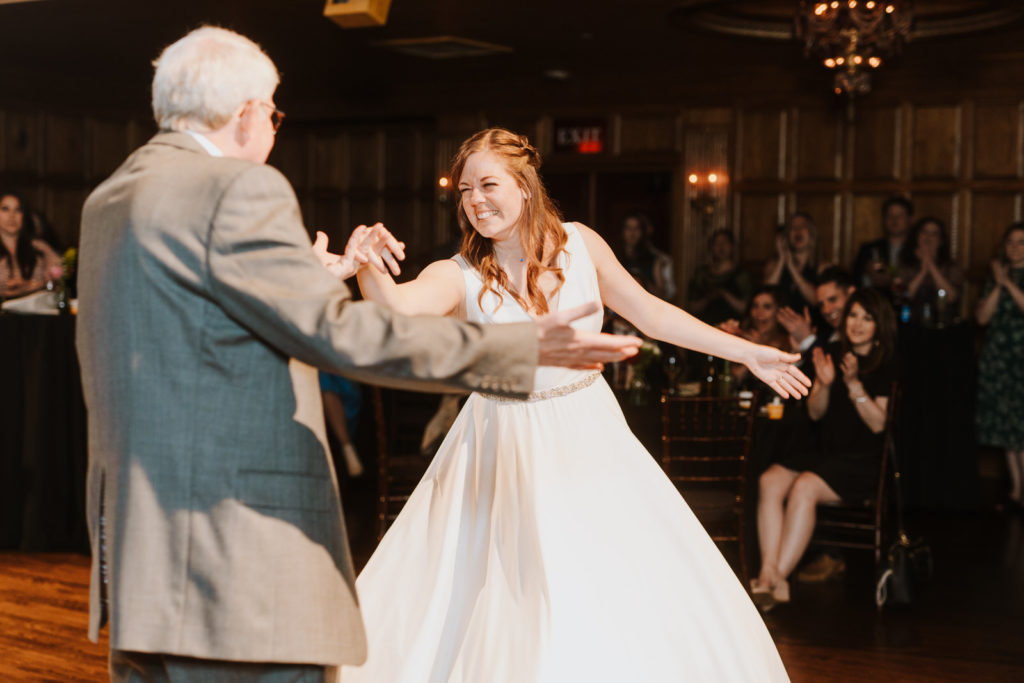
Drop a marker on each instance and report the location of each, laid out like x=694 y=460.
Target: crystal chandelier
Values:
x=852 y=36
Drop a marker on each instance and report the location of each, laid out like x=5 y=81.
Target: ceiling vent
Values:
x=443 y=47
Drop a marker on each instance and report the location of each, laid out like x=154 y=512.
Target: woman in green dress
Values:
x=1001 y=367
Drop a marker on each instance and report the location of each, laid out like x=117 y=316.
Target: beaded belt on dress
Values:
x=553 y=392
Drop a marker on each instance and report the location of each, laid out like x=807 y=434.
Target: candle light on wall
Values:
x=705 y=190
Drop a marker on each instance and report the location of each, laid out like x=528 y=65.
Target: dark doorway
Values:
x=602 y=199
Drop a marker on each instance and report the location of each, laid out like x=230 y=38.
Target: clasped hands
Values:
x=373 y=246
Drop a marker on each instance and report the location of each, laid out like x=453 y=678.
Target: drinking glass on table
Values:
x=673 y=367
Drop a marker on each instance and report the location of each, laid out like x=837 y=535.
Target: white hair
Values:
x=204 y=77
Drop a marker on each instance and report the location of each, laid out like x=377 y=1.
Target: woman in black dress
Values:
x=848 y=400
x=720 y=290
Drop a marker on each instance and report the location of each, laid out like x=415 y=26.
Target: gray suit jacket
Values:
x=215 y=521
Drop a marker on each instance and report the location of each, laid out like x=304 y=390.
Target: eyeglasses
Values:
x=276 y=115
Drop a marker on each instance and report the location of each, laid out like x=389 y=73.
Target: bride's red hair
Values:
x=540 y=224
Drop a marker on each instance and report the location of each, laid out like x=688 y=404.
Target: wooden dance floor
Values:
x=966 y=627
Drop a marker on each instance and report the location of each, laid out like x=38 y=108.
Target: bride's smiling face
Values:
x=490 y=196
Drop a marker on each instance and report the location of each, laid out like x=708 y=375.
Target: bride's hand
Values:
x=381 y=249
x=776 y=369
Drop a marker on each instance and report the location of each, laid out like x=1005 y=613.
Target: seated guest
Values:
x=649 y=266
x=26 y=263
x=720 y=290
x=878 y=262
x=1000 y=415
x=793 y=268
x=932 y=282
x=848 y=400
x=761 y=326
x=835 y=286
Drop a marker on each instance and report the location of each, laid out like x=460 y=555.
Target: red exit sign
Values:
x=580 y=137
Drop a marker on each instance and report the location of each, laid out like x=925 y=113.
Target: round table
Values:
x=42 y=435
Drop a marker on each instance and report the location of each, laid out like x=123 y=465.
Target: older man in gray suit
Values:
x=219 y=549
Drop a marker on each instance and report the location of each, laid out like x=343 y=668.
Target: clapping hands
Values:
x=1000 y=272
x=849 y=367
x=824 y=368
x=732 y=326
x=374 y=246
x=798 y=326
x=782 y=247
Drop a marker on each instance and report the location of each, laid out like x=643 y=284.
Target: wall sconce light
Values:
x=704 y=190
x=443 y=186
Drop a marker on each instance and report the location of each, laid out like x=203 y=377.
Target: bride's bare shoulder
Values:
x=596 y=246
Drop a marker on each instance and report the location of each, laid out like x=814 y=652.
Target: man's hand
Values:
x=798 y=326
x=776 y=369
x=560 y=344
x=332 y=262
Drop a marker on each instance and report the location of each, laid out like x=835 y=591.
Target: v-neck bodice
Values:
x=580 y=287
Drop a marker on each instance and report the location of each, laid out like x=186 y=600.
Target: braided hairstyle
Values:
x=540 y=224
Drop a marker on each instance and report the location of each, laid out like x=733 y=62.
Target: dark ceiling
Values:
x=94 y=54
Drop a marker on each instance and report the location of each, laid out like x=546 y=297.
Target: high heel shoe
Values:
x=767 y=598
x=780 y=591
x=761 y=594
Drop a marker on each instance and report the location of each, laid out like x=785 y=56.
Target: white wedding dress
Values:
x=544 y=543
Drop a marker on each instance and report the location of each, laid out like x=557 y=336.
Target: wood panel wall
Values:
x=343 y=175
x=54 y=160
x=961 y=160
x=346 y=175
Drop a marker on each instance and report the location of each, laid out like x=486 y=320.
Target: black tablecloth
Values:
x=42 y=435
x=935 y=436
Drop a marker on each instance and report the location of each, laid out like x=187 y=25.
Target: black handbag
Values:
x=908 y=564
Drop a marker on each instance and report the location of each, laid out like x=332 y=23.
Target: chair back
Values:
x=399 y=418
x=705 y=446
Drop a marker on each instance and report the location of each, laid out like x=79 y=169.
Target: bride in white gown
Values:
x=544 y=543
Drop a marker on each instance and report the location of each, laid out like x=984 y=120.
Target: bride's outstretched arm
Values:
x=661 y=320
x=437 y=290
x=440 y=288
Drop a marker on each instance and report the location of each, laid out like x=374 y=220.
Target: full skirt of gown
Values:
x=568 y=557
